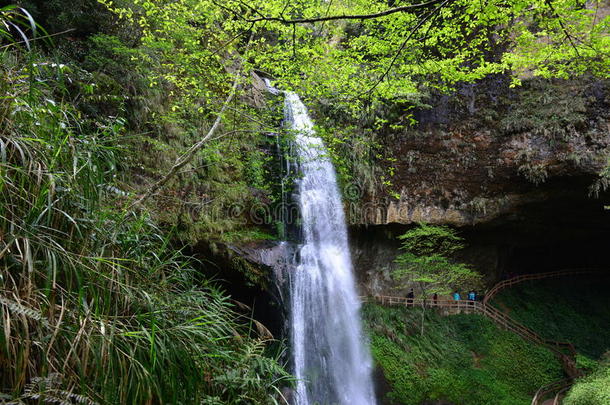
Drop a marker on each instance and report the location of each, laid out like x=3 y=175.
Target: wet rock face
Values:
x=374 y=249
x=489 y=150
x=254 y=273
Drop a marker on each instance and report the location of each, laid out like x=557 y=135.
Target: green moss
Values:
x=464 y=359
x=254 y=275
x=247 y=235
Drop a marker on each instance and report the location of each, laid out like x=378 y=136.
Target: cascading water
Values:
x=331 y=359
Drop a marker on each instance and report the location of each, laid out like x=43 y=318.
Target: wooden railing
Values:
x=557 y=399
x=497 y=316
x=534 y=276
x=557 y=387
x=503 y=320
x=428 y=303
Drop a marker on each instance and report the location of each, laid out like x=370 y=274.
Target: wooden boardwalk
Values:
x=537 y=276
x=564 y=351
x=558 y=388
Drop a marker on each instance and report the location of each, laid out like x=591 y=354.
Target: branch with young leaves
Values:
x=401 y=9
x=187 y=156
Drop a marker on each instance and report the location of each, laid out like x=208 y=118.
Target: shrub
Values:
x=593 y=389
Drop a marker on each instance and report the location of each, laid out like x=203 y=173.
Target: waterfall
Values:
x=331 y=359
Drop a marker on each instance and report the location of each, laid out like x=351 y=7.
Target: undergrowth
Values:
x=593 y=389
x=95 y=304
x=463 y=359
x=569 y=309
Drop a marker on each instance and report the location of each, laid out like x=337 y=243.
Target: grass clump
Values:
x=463 y=359
x=95 y=305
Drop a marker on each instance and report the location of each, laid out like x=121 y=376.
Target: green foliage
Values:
x=572 y=310
x=96 y=304
x=462 y=359
x=426 y=260
x=427 y=240
x=355 y=73
x=593 y=389
x=548 y=109
x=356 y=155
x=168 y=82
x=82 y=18
x=362 y=63
x=602 y=183
x=120 y=82
x=364 y=167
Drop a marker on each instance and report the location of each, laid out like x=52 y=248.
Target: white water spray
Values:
x=331 y=359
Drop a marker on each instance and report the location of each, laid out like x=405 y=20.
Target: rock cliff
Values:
x=490 y=149
x=517 y=170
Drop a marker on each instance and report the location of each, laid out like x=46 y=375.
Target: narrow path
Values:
x=501 y=318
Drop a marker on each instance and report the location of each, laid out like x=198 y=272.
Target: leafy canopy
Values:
x=358 y=60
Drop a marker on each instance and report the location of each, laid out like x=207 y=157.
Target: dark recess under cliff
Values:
x=250 y=283
x=568 y=230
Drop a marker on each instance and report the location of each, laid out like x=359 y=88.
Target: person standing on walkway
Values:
x=435 y=299
x=410 y=296
x=457 y=297
x=472 y=297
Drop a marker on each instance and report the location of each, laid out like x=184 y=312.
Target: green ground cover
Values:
x=566 y=309
x=464 y=359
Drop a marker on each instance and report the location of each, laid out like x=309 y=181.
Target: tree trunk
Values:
x=423 y=308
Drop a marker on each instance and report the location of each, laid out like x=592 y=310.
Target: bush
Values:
x=594 y=389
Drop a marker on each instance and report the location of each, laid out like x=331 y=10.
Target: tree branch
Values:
x=563 y=27
x=188 y=155
x=384 y=13
x=403 y=45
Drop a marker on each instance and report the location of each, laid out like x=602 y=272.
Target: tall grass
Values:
x=95 y=305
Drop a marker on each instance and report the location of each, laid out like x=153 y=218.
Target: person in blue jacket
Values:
x=457 y=297
x=472 y=297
